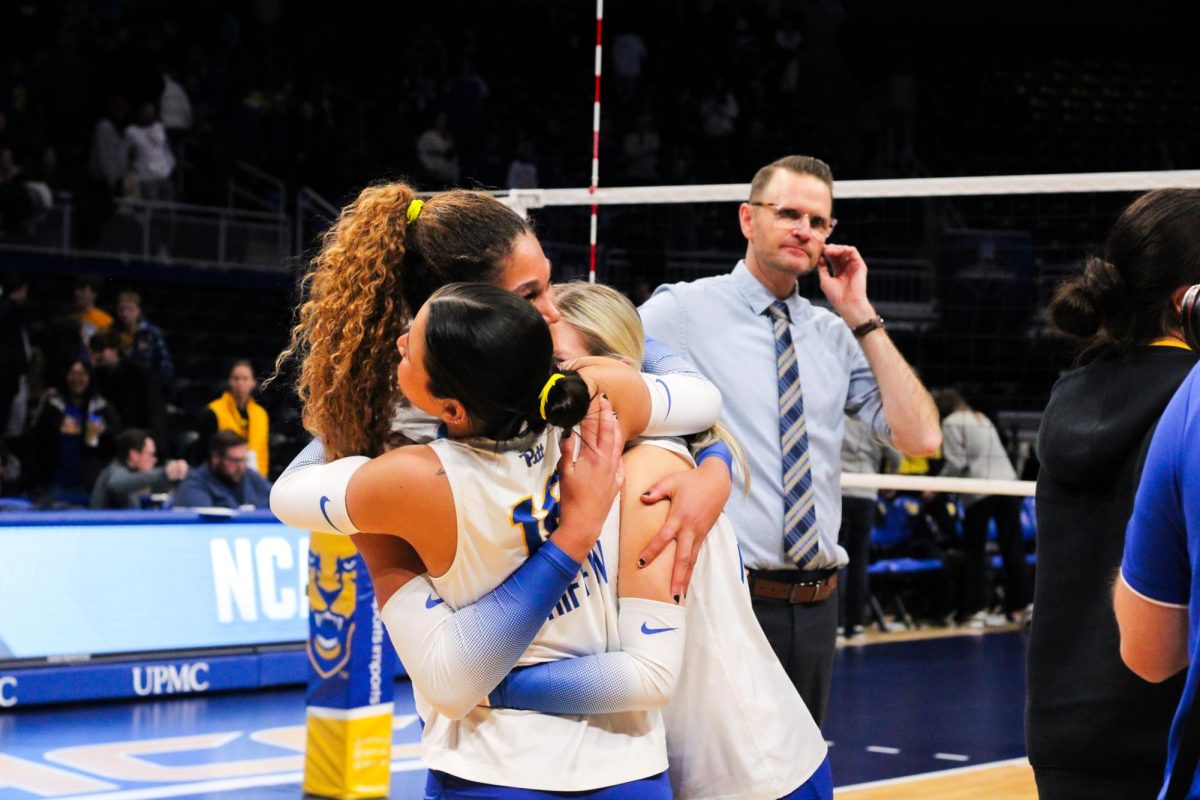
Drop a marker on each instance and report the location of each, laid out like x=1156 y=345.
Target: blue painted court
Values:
x=897 y=709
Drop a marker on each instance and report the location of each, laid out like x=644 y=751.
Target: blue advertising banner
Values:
x=95 y=584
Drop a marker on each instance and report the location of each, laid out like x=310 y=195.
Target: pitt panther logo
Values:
x=332 y=599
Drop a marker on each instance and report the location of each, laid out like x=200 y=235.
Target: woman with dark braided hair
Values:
x=1093 y=728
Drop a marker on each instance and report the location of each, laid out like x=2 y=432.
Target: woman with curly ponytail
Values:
x=1093 y=728
x=509 y=494
x=387 y=253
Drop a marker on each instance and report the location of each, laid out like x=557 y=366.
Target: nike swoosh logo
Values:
x=325 y=501
x=433 y=602
x=651 y=631
x=666 y=389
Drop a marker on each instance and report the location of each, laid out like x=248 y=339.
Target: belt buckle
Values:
x=815 y=587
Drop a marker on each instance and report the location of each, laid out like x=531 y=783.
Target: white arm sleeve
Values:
x=433 y=654
x=313 y=496
x=681 y=404
x=653 y=636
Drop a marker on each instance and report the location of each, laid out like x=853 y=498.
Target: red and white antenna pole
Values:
x=596 y=141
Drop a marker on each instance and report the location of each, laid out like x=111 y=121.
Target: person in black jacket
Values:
x=1093 y=728
x=73 y=432
x=128 y=385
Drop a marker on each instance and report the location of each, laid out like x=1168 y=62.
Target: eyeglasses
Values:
x=787 y=219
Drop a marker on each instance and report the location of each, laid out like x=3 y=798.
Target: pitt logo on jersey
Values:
x=332 y=598
x=534 y=455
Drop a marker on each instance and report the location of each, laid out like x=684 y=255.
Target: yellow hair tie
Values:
x=555 y=378
x=414 y=209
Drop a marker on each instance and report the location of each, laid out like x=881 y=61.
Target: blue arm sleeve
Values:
x=642 y=675
x=571 y=686
x=717 y=449
x=456 y=657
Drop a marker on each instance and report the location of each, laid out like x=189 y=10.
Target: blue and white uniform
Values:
x=506 y=497
x=736 y=728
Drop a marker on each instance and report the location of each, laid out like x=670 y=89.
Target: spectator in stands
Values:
x=235 y=410
x=863 y=453
x=719 y=112
x=641 y=146
x=150 y=158
x=141 y=340
x=109 y=159
x=464 y=99
x=91 y=319
x=972 y=448
x=128 y=385
x=16 y=353
x=73 y=431
x=1093 y=728
x=629 y=54
x=225 y=481
x=522 y=170
x=175 y=111
x=17 y=205
x=16 y=357
x=436 y=153
x=132 y=476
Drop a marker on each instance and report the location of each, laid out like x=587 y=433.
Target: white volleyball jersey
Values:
x=505 y=499
x=736 y=727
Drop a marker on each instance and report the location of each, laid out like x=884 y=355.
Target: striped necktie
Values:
x=799 y=508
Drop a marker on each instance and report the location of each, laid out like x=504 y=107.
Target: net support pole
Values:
x=595 y=143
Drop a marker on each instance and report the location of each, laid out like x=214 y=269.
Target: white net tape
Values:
x=921 y=483
x=524 y=199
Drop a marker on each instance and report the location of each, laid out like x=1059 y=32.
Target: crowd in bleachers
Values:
x=103 y=97
x=89 y=398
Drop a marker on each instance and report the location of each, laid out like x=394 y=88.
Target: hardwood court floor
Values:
x=1012 y=780
x=917 y=707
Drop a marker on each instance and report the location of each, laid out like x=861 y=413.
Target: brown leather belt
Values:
x=807 y=588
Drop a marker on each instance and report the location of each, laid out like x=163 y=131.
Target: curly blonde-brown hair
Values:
x=373 y=271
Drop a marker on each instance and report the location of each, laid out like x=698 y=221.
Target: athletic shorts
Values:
x=818 y=787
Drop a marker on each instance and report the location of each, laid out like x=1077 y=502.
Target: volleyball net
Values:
x=962 y=269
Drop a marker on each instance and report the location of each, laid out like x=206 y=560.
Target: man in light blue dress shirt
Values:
x=847 y=365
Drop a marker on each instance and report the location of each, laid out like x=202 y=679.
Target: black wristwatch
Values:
x=867 y=327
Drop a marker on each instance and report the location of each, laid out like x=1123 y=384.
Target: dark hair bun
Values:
x=1089 y=303
x=567 y=402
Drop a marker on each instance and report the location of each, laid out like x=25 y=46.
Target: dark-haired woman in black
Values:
x=1093 y=728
